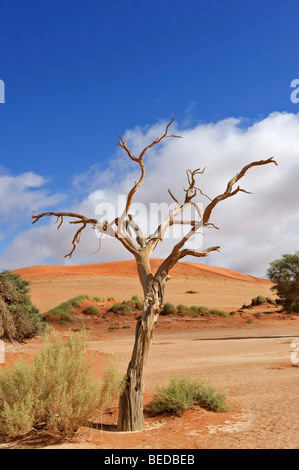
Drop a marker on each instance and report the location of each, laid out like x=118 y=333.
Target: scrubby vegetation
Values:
x=260 y=300
x=57 y=392
x=19 y=318
x=285 y=275
x=194 y=310
x=183 y=393
x=64 y=311
x=122 y=308
x=91 y=310
x=168 y=309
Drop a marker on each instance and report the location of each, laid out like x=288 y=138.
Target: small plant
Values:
x=126 y=326
x=137 y=298
x=121 y=308
x=183 y=393
x=183 y=309
x=113 y=328
x=220 y=313
x=64 y=311
x=56 y=392
x=259 y=300
x=271 y=301
x=98 y=299
x=192 y=292
x=110 y=299
x=168 y=309
x=91 y=310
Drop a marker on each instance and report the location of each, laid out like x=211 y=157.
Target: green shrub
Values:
x=220 y=313
x=113 y=328
x=137 y=298
x=182 y=393
x=110 y=299
x=63 y=312
x=284 y=273
x=271 y=301
x=91 y=310
x=98 y=299
x=168 y=309
x=259 y=300
x=19 y=319
x=56 y=392
x=122 y=308
x=183 y=309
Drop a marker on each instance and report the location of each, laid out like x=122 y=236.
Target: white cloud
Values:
x=20 y=194
x=254 y=229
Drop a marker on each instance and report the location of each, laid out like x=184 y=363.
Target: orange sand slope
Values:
x=128 y=269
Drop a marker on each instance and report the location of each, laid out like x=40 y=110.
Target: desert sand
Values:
x=249 y=361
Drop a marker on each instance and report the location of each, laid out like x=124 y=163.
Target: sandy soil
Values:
x=217 y=287
x=250 y=362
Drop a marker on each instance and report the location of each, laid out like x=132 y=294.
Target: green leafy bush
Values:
x=259 y=300
x=220 y=313
x=91 y=310
x=137 y=298
x=19 y=318
x=64 y=311
x=183 y=309
x=56 y=392
x=284 y=273
x=121 y=308
x=182 y=393
x=168 y=309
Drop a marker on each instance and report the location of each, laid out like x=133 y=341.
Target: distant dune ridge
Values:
x=128 y=269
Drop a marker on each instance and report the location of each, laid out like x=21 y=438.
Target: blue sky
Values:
x=76 y=72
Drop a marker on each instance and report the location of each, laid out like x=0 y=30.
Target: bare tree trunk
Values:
x=130 y=416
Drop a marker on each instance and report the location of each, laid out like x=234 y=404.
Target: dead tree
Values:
x=141 y=247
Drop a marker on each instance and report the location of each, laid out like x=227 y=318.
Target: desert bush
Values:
x=220 y=313
x=63 y=312
x=57 y=391
x=110 y=299
x=183 y=309
x=284 y=273
x=259 y=300
x=192 y=292
x=19 y=318
x=122 y=308
x=137 y=298
x=91 y=310
x=168 y=309
x=182 y=393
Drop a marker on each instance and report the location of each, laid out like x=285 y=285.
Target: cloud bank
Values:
x=254 y=229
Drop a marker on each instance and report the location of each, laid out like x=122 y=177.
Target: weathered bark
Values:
x=130 y=416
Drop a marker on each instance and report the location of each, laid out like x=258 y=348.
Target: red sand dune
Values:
x=128 y=269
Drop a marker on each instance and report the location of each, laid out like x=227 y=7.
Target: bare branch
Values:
x=175 y=256
x=104 y=227
x=174 y=198
x=229 y=192
x=198 y=254
x=139 y=160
